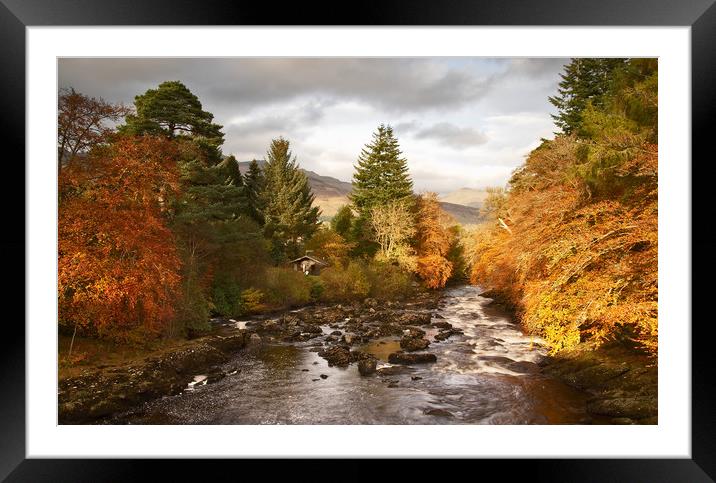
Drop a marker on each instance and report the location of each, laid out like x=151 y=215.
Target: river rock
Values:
x=414 y=332
x=441 y=324
x=624 y=407
x=336 y=355
x=401 y=357
x=393 y=370
x=367 y=366
x=524 y=367
x=411 y=344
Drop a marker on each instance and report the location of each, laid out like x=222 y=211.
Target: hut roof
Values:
x=304 y=257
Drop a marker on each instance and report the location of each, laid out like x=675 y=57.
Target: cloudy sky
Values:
x=461 y=122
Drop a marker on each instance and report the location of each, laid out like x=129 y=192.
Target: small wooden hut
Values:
x=308 y=264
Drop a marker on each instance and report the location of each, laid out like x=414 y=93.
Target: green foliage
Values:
x=345 y=283
x=231 y=170
x=287 y=203
x=342 y=222
x=254 y=182
x=389 y=282
x=381 y=174
x=173 y=110
x=583 y=81
x=285 y=287
x=192 y=312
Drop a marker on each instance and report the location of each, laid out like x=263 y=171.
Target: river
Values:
x=488 y=375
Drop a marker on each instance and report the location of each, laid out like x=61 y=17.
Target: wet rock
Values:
x=524 y=367
x=255 y=339
x=411 y=344
x=624 y=407
x=367 y=366
x=337 y=333
x=392 y=370
x=324 y=376
x=413 y=318
x=311 y=329
x=442 y=325
x=336 y=355
x=413 y=332
x=445 y=334
x=304 y=370
x=415 y=378
x=411 y=358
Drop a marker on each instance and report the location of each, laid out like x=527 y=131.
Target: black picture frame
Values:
x=700 y=15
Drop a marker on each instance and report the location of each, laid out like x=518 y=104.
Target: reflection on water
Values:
x=486 y=376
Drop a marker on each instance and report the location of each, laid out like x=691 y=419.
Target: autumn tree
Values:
x=287 y=202
x=330 y=246
x=394 y=226
x=82 y=123
x=435 y=239
x=118 y=268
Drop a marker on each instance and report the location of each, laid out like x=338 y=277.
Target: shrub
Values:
x=389 y=281
x=285 y=287
x=343 y=284
x=251 y=301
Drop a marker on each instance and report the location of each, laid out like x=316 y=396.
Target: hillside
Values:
x=332 y=193
x=466 y=197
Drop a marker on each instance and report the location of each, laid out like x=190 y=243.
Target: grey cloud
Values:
x=243 y=83
x=452 y=135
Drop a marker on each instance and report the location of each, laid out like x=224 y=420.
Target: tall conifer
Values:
x=287 y=202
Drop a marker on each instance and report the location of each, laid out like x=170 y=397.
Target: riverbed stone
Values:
x=336 y=355
x=367 y=366
x=401 y=357
x=411 y=344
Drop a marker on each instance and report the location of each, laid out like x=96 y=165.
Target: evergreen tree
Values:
x=232 y=171
x=254 y=182
x=584 y=82
x=174 y=111
x=381 y=175
x=287 y=202
x=342 y=222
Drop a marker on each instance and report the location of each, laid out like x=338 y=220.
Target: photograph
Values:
x=436 y=240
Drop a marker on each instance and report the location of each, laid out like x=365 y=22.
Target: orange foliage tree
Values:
x=82 y=123
x=118 y=267
x=574 y=266
x=434 y=241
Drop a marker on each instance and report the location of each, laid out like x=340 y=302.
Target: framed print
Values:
x=460 y=232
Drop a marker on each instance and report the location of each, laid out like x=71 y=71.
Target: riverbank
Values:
x=621 y=380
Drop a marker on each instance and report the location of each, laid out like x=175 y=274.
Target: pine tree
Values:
x=174 y=111
x=287 y=202
x=381 y=175
x=232 y=171
x=584 y=81
x=254 y=182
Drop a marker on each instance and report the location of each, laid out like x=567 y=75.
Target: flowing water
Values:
x=486 y=376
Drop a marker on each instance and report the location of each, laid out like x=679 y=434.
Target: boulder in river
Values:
x=336 y=355
x=401 y=357
x=412 y=344
x=367 y=366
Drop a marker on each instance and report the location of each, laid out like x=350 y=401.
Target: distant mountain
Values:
x=331 y=194
x=466 y=197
